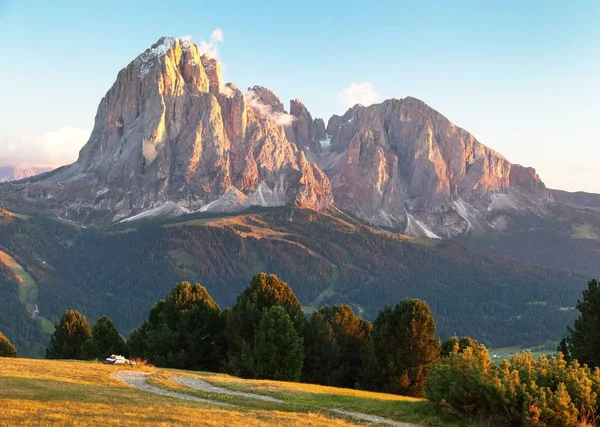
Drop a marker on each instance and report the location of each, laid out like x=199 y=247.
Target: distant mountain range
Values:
x=16 y=172
x=351 y=211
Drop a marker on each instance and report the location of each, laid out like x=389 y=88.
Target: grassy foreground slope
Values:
x=41 y=392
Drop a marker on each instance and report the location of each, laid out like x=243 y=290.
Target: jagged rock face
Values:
x=402 y=164
x=170 y=131
x=301 y=129
x=307 y=133
x=268 y=98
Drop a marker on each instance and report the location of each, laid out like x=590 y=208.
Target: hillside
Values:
x=122 y=270
x=36 y=392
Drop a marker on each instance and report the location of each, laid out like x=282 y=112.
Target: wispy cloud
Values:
x=53 y=148
x=253 y=101
x=359 y=93
x=211 y=47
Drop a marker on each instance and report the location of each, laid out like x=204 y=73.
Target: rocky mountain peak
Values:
x=404 y=165
x=170 y=137
x=268 y=98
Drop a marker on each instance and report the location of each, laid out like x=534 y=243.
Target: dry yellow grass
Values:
x=64 y=371
x=40 y=392
x=279 y=386
x=24 y=412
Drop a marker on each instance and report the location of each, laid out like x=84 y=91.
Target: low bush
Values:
x=521 y=391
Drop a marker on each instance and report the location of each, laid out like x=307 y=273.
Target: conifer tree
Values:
x=584 y=337
x=184 y=330
x=335 y=341
x=405 y=346
x=278 y=350
x=105 y=340
x=69 y=336
x=263 y=292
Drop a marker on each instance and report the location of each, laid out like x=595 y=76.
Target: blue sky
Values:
x=522 y=76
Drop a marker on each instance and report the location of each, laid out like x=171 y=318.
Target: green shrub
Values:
x=521 y=391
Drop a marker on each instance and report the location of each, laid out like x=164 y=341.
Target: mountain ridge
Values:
x=172 y=138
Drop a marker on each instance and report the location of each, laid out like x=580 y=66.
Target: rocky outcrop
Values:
x=170 y=133
x=307 y=133
x=402 y=164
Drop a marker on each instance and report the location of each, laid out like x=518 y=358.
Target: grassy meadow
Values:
x=41 y=392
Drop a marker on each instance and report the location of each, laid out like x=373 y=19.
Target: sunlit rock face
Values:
x=169 y=131
x=171 y=138
x=403 y=165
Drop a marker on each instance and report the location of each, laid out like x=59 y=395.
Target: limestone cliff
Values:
x=170 y=133
x=402 y=164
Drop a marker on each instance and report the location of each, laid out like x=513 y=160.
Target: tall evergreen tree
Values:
x=69 y=336
x=278 y=349
x=335 y=340
x=405 y=346
x=184 y=330
x=584 y=337
x=6 y=347
x=321 y=351
x=263 y=292
x=105 y=340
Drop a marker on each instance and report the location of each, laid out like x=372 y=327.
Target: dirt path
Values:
x=198 y=384
x=138 y=380
x=373 y=418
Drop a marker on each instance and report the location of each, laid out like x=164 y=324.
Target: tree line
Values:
x=267 y=335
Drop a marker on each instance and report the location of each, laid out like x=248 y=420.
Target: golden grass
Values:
x=23 y=412
x=70 y=371
x=42 y=392
x=279 y=386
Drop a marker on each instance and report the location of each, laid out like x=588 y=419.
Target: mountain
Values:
x=16 y=172
x=385 y=202
x=402 y=165
x=170 y=138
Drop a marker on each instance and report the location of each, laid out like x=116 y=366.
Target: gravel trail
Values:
x=138 y=380
x=373 y=418
x=198 y=384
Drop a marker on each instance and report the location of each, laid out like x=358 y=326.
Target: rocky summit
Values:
x=401 y=164
x=170 y=138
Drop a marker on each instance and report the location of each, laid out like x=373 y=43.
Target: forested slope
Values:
x=122 y=270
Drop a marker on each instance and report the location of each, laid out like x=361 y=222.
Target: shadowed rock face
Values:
x=402 y=164
x=169 y=131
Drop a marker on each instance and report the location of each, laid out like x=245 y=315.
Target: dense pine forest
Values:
x=120 y=271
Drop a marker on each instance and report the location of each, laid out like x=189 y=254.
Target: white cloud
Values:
x=254 y=102
x=55 y=148
x=359 y=93
x=211 y=47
